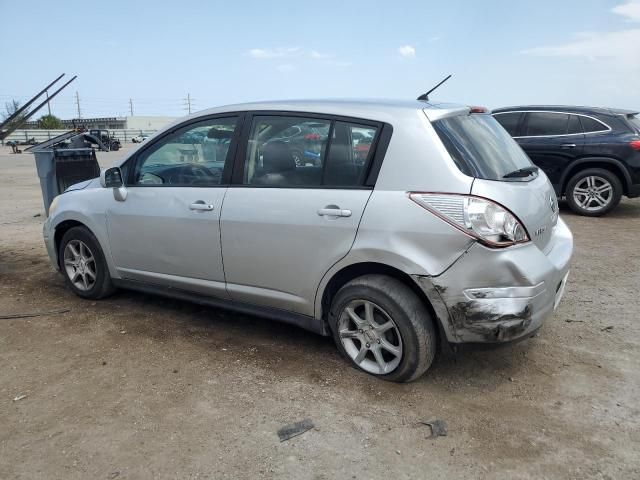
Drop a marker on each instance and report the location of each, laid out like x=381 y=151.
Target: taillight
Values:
x=635 y=144
x=480 y=218
x=478 y=110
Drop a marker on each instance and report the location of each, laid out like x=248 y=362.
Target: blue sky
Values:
x=155 y=52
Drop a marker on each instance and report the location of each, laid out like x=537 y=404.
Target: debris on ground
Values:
x=34 y=314
x=37 y=215
x=295 y=429
x=19 y=397
x=438 y=428
x=607 y=329
x=570 y=320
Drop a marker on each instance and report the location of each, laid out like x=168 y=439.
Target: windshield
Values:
x=481 y=148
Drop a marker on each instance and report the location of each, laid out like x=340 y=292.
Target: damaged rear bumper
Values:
x=500 y=295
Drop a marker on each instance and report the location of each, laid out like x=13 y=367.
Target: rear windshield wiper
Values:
x=522 y=172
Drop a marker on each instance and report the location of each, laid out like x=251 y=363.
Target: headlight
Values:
x=485 y=220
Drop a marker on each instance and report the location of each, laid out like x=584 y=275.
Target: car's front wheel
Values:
x=593 y=192
x=83 y=265
x=383 y=328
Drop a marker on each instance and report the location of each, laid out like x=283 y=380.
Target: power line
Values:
x=188 y=103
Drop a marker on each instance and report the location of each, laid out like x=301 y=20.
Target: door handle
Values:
x=568 y=145
x=200 y=206
x=334 y=212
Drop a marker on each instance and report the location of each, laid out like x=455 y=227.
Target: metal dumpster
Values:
x=62 y=162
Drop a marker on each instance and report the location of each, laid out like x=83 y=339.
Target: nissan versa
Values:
x=417 y=225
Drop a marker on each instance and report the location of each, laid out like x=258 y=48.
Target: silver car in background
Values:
x=395 y=227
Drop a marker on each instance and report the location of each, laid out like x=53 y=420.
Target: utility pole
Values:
x=48 y=104
x=78 y=104
x=131 y=107
x=189 y=102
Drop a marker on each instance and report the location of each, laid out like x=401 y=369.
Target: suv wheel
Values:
x=83 y=265
x=383 y=328
x=593 y=192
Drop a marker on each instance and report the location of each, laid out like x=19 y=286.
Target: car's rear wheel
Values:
x=383 y=328
x=593 y=192
x=83 y=265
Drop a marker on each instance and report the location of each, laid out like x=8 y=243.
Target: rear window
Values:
x=635 y=122
x=480 y=147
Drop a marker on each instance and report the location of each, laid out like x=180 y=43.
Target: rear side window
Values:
x=574 y=125
x=591 y=125
x=296 y=151
x=546 y=123
x=480 y=147
x=509 y=121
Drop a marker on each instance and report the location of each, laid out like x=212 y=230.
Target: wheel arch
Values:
x=613 y=165
x=355 y=270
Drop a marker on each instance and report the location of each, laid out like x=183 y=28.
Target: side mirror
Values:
x=111 y=178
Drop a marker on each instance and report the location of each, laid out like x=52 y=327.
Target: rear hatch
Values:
x=481 y=148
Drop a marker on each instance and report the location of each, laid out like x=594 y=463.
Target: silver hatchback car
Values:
x=396 y=227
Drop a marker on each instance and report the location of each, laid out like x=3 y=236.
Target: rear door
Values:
x=167 y=230
x=552 y=140
x=286 y=222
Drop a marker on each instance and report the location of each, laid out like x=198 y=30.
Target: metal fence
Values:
x=43 y=135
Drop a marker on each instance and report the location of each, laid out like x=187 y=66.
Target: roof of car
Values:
x=373 y=109
x=568 y=109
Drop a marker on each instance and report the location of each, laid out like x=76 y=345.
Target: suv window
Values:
x=195 y=155
x=634 y=121
x=292 y=151
x=546 y=123
x=509 y=121
x=591 y=125
x=574 y=125
x=480 y=147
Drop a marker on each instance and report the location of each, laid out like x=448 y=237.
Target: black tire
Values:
x=407 y=311
x=102 y=286
x=592 y=208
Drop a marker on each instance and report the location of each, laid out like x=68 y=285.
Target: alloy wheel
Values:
x=593 y=193
x=370 y=337
x=80 y=265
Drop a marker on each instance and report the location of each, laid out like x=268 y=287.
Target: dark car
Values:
x=591 y=155
x=305 y=141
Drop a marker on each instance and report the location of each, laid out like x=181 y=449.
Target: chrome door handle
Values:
x=568 y=145
x=200 y=206
x=334 y=212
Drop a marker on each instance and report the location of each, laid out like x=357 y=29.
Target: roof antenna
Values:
x=425 y=96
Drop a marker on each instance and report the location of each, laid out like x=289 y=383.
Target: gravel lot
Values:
x=137 y=386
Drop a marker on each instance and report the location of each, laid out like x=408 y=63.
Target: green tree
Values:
x=12 y=107
x=49 y=122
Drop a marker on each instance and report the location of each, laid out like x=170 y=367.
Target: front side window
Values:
x=192 y=156
x=546 y=123
x=509 y=121
x=297 y=151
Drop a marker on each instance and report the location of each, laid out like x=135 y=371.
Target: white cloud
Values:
x=622 y=46
x=273 y=53
x=286 y=67
x=318 y=56
x=407 y=51
x=631 y=10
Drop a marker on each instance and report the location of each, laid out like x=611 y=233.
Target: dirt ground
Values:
x=137 y=386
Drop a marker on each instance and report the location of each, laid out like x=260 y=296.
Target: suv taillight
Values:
x=480 y=218
x=635 y=144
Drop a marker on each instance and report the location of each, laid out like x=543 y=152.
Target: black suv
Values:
x=591 y=155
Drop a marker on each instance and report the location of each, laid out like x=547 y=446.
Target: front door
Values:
x=290 y=219
x=167 y=230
